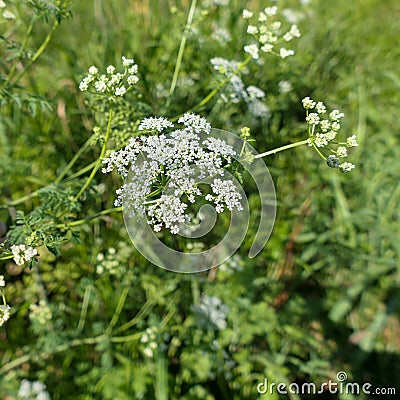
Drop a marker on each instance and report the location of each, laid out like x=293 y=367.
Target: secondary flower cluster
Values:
x=7 y=14
x=4 y=308
x=269 y=34
x=213 y=311
x=22 y=254
x=322 y=133
x=236 y=91
x=111 y=83
x=33 y=390
x=176 y=162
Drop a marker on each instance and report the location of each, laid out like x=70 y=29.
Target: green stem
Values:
x=74 y=159
x=38 y=53
x=117 y=312
x=215 y=90
x=277 y=150
x=182 y=48
x=21 y=51
x=318 y=151
x=64 y=347
x=84 y=220
x=102 y=153
x=81 y=171
x=6 y=257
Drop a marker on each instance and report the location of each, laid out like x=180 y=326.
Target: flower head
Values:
x=322 y=133
x=113 y=84
x=181 y=159
x=23 y=254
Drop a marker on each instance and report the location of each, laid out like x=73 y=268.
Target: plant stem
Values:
x=38 y=53
x=102 y=153
x=277 y=150
x=73 y=161
x=21 y=51
x=84 y=220
x=182 y=48
x=118 y=310
x=64 y=347
x=218 y=88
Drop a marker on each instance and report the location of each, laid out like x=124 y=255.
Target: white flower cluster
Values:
x=4 y=313
x=236 y=91
x=269 y=34
x=111 y=83
x=214 y=310
x=176 y=161
x=7 y=14
x=149 y=339
x=4 y=308
x=33 y=390
x=323 y=131
x=40 y=313
x=22 y=254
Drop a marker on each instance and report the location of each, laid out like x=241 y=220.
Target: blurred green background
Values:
x=322 y=297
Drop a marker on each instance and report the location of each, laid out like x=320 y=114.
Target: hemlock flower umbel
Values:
x=111 y=83
x=176 y=161
x=22 y=254
x=269 y=35
x=322 y=134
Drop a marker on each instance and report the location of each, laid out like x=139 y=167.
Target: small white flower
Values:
x=308 y=103
x=335 y=115
x=132 y=80
x=247 y=14
x=148 y=352
x=155 y=123
x=321 y=109
x=2 y=281
x=127 y=62
x=195 y=122
x=4 y=313
x=287 y=37
x=110 y=69
x=352 y=141
x=93 y=70
x=22 y=254
x=294 y=31
x=271 y=11
x=285 y=52
x=252 y=30
x=285 y=86
x=120 y=91
x=325 y=125
x=8 y=14
x=346 y=167
x=267 y=48
x=133 y=70
x=320 y=141
x=313 y=119
x=255 y=92
x=262 y=17
x=84 y=85
x=341 y=151
x=2 y=4
x=100 y=86
x=252 y=49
